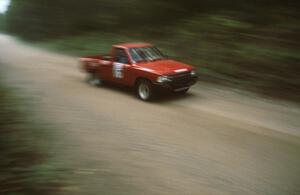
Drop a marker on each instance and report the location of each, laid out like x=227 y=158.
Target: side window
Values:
x=121 y=56
x=135 y=55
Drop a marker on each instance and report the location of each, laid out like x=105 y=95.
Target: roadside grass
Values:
x=88 y=44
x=24 y=149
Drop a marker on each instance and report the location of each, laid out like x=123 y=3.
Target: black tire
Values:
x=144 y=90
x=94 y=79
x=183 y=91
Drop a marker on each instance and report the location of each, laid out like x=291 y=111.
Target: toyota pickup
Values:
x=142 y=66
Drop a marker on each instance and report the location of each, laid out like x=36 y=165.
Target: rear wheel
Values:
x=144 y=90
x=94 y=79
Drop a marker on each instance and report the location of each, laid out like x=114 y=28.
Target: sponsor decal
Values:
x=117 y=70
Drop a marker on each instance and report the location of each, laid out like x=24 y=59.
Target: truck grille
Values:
x=180 y=80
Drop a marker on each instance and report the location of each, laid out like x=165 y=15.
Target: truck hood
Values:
x=165 y=67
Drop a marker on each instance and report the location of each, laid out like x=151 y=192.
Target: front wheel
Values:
x=144 y=90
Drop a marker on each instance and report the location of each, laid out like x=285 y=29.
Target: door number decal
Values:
x=117 y=70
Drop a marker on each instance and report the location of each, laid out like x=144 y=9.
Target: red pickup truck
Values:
x=142 y=66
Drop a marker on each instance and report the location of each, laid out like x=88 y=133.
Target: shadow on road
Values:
x=160 y=97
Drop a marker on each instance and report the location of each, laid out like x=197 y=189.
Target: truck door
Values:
x=120 y=66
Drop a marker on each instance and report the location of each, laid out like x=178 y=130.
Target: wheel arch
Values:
x=138 y=79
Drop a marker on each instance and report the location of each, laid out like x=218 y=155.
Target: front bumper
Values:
x=177 y=83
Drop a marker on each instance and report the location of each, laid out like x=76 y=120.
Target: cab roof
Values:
x=132 y=45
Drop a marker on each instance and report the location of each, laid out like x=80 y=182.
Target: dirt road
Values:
x=212 y=141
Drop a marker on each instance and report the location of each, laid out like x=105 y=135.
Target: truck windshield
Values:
x=145 y=54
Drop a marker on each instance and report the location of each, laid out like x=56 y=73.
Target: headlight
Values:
x=193 y=73
x=162 y=79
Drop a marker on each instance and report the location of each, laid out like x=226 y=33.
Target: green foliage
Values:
x=2 y=22
x=253 y=42
x=85 y=44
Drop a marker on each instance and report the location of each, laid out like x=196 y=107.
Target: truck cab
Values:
x=142 y=66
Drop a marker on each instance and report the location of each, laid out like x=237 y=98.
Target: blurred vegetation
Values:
x=2 y=22
x=250 y=44
x=24 y=151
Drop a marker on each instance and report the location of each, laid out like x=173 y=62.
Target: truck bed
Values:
x=90 y=63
